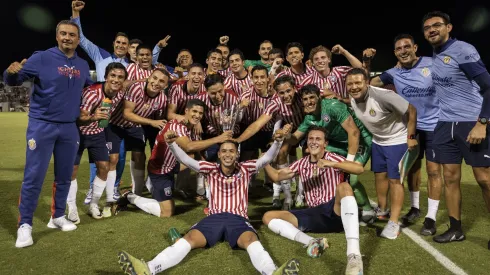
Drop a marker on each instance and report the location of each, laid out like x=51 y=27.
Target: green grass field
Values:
x=93 y=247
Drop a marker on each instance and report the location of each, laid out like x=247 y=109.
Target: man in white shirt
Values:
x=392 y=121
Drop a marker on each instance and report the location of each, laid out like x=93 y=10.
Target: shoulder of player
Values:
x=378 y=93
x=93 y=90
x=334 y=157
x=231 y=92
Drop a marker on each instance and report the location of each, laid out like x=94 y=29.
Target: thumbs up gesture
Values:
x=16 y=67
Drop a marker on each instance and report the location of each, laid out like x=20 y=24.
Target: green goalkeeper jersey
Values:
x=333 y=114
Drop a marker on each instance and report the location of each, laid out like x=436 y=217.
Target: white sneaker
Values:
x=73 y=215
x=354 y=265
x=61 y=223
x=94 y=211
x=24 y=236
x=107 y=211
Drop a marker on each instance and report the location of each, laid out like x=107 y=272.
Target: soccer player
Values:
x=239 y=79
x=264 y=49
x=463 y=88
x=140 y=102
x=413 y=81
x=59 y=76
x=286 y=105
x=162 y=165
x=346 y=134
x=133 y=44
x=213 y=60
x=227 y=219
x=184 y=61
x=392 y=121
x=332 y=206
x=298 y=70
x=92 y=138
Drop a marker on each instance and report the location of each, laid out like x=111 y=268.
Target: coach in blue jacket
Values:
x=59 y=77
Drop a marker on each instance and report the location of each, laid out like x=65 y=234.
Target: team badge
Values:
x=372 y=112
x=229 y=180
x=146 y=106
x=156 y=105
x=447 y=59
x=32 y=144
x=315 y=171
x=332 y=78
x=109 y=146
x=168 y=191
x=326 y=118
x=425 y=72
x=261 y=105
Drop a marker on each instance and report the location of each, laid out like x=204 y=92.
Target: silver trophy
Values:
x=228 y=118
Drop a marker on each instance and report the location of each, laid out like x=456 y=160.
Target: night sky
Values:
x=198 y=27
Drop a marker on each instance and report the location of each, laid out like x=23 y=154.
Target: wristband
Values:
x=350 y=157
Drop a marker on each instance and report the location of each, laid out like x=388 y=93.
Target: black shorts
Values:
x=426 y=139
x=163 y=184
x=257 y=141
x=223 y=227
x=134 y=138
x=451 y=147
x=96 y=146
x=319 y=219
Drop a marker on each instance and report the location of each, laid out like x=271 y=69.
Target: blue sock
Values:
x=93 y=173
x=121 y=163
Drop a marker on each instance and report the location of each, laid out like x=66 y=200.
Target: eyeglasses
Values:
x=437 y=25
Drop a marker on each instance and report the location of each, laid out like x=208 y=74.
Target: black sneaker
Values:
x=411 y=216
x=121 y=204
x=429 y=227
x=451 y=235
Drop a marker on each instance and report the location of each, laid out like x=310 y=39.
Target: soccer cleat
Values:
x=94 y=211
x=132 y=266
x=61 y=223
x=88 y=198
x=24 y=236
x=276 y=202
x=354 y=265
x=316 y=247
x=429 y=227
x=73 y=215
x=121 y=204
x=290 y=267
x=382 y=215
x=451 y=235
x=411 y=216
x=368 y=217
x=109 y=208
x=391 y=230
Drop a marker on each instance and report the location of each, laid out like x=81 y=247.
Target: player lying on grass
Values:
x=333 y=207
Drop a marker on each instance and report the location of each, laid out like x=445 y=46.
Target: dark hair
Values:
x=229 y=141
x=143 y=46
x=113 y=66
x=212 y=79
x=266 y=41
x=67 y=22
x=163 y=71
x=184 y=50
x=283 y=79
x=135 y=41
x=259 y=68
x=236 y=51
x=318 y=49
x=358 y=71
x=403 y=36
x=317 y=128
x=121 y=34
x=276 y=51
x=292 y=45
x=214 y=51
x=309 y=89
x=196 y=102
x=223 y=45
x=195 y=65
x=445 y=17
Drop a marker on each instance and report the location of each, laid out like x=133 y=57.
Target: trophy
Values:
x=228 y=118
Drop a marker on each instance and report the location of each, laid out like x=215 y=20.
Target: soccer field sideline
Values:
x=12 y=168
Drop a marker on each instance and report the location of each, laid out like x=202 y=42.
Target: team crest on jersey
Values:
x=156 y=105
x=229 y=180
x=447 y=59
x=168 y=191
x=326 y=118
x=261 y=105
x=332 y=78
x=425 y=72
x=372 y=112
x=146 y=106
x=32 y=144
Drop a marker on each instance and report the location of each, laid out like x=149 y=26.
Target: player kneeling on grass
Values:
x=333 y=207
x=228 y=205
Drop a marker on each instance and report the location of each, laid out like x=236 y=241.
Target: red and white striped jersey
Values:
x=228 y=193
x=256 y=108
x=145 y=106
x=289 y=114
x=239 y=86
x=213 y=113
x=135 y=72
x=162 y=160
x=297 y=77
x=179 y=96
x=92 y=97
x=335 y=80
x=319 y=183
x=223 y=73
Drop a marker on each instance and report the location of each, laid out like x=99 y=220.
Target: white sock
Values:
x=432 y=209
x=71 y=200
x=169 y=257
x=286 y=188
x=299 y=191
x=287 y=230
x=414 y=198
x=99 y=186
x=350 y=221
x=277 y=190
x=200 y=185
x=131 y=167
x=149 y=185
x=109 y=186
x=260 y=258
x=150 y=206
x=139 y=180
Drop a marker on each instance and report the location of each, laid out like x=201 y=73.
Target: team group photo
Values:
x=133 y=159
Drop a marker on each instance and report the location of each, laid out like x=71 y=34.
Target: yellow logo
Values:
x=32 y=144
x=372 y=112
x=261 y=105
x=447 y=59
x=425 y=72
